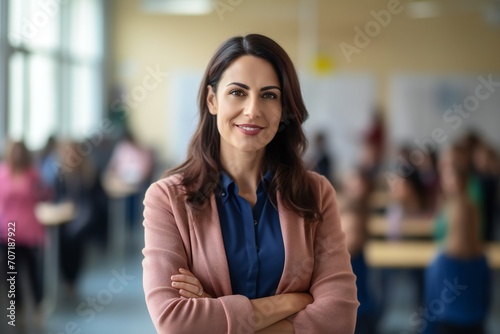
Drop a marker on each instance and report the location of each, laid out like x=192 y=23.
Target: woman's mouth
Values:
x=249 y=129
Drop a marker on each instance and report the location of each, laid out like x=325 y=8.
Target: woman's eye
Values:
x=269 y=96
x=237 y=92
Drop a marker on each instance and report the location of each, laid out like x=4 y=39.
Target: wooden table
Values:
x=414 y=254
x=52 y=215
x=378 y=226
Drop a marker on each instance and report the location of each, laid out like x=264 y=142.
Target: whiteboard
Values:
x=420 y=103
x=341 y=106
x=183 y=119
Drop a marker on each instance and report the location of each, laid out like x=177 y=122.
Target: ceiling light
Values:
x=177 y=7
x=423 y=9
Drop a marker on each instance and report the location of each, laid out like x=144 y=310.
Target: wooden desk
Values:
x=52 y=216
x=414 y=254
x=378 y=226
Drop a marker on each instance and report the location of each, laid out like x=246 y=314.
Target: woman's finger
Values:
x=185 y=286
x=189 y=294
x=186 y=279
x=188 y=285
x=186 y=272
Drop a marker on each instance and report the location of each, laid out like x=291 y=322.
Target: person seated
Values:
x=484 y=165
x=354 y=218
x=407 y=200
x=356 y=187
x=457 y=282
x=458 y=155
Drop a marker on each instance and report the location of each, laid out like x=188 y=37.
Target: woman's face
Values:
x=247 y=105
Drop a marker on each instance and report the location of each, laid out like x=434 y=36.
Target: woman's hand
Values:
x=188 y=285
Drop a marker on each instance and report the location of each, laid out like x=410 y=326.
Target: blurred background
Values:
x=98 y=98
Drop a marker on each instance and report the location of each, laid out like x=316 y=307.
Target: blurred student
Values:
x=354 y=218
x=321 y=161
x=357 y=186
x=458 y=155
x=79 y=187
x=429 y=177
x=407 y=200
x=47 y=162
x=131 y=164
x=373 y=145
x=20 y=190
x=484 y=163
x=459 y=277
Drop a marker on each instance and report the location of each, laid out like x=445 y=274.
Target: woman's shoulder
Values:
x=168 y=183
x=319 y=183
x=169 y=187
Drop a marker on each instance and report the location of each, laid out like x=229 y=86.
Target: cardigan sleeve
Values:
x=164 y=253
x=333 y=284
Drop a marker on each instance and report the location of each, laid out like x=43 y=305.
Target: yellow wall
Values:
x=457 y=42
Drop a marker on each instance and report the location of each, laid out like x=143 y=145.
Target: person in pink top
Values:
x=20 y=190
x=241 y=238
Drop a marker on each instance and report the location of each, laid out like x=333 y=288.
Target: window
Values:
x=3 y=76
x=55 y=80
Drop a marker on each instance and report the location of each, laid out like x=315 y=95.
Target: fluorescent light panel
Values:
x=178 y=7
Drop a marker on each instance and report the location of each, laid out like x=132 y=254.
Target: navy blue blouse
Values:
x=252 y=240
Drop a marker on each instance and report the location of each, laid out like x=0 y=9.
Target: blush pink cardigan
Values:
x=316 y=261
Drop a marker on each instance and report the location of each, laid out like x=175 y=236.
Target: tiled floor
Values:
x=110 y=300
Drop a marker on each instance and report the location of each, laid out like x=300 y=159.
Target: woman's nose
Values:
x=252 y=109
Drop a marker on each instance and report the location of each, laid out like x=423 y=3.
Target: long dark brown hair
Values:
x=283 y=155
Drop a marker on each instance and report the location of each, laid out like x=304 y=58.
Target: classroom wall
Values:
x=457 y=42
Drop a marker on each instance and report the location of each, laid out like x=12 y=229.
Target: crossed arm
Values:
x=177 y=307
x=272 y=320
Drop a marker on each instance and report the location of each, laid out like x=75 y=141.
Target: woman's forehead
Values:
x=251 y=70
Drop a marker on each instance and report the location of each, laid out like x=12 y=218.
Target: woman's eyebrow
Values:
x=238 y=84
x=270 y=87
x=247 y=87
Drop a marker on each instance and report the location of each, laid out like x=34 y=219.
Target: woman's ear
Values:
x=211 y=100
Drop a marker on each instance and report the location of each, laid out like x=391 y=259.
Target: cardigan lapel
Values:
x=213 y=243
x=293 y=231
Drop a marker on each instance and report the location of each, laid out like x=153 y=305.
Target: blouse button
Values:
x=255 y=222
x=223 y=194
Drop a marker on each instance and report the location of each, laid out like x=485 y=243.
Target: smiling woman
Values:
x=240 y=238
x=248 y=112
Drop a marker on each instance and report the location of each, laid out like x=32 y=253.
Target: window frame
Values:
x=64 y=61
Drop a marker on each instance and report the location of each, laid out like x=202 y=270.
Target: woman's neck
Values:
x=244 y=168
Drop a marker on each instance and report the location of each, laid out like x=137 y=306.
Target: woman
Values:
x=240 y=238
x=20 y=190
x=79 y=187
x=354 y=216
x=458 y=281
